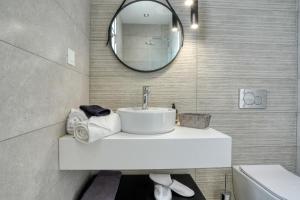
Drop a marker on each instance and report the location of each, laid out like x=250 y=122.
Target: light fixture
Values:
x=146 y=14
x=194 y=15
x=189 y=2
x=174 y=23
x=194 y=26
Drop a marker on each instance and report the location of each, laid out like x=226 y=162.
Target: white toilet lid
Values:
x=275 y=179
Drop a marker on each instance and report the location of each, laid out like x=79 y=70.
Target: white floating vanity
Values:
x=181 y=148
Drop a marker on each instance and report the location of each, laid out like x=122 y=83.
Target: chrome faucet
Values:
x=146 y=93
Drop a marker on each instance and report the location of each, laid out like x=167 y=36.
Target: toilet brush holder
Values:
x=225 y=195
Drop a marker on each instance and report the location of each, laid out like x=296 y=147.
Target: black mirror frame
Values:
x=122 y=6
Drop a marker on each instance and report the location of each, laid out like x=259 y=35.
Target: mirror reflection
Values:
x=146 y=35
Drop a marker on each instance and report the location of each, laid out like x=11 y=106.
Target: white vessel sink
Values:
x=153 y=120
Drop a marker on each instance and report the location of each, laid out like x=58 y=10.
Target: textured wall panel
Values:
x=245 y=60
x=222 y=94
x=240 y=44
x=212 y=181
x=257 y=129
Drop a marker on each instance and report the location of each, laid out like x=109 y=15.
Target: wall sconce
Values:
x=174 y=23
x=194 y=15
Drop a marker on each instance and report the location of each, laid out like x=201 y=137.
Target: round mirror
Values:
x=146 y=35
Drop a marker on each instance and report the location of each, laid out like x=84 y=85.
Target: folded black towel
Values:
x=94 y=110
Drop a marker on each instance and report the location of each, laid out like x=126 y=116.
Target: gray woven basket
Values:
x=194 y=120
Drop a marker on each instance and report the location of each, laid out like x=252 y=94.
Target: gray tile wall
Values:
x=298 y=115
x=37 y=91
x=240 y=44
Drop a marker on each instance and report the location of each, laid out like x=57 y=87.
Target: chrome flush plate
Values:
x=253 y=98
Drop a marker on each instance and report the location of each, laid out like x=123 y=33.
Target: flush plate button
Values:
x=253 y=98
x=249 y=98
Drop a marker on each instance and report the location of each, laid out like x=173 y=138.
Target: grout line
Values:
x=32 y=53
x=32 y=131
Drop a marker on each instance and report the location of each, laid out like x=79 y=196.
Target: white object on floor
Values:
x=174 y=150
x=75 y=116
x=265 y=182
x=97 y=128
x=162 y=179
x=179 y=188
x=162 y=193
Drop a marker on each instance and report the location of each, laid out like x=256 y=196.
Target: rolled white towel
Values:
x=75 y=116
x=111 y=122
x=97 y=128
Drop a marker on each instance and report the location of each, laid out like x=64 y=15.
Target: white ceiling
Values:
x=134 y=13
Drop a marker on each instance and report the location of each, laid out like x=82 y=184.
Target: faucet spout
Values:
x=146 y=93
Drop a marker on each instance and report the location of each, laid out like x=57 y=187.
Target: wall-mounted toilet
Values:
x=265 y=182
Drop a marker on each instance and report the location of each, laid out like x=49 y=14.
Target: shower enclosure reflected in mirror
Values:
x=146 y=35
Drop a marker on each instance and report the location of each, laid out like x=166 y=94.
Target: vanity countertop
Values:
x=179 y=133
x=182 y=148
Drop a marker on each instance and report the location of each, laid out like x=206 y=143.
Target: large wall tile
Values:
x=273 y=5
x=253 y=42
x=79 y=11
x=29 y=168
x=222 y=94
x=36 y=92
x=245 y=60
x=285 y=156
x=43 y=29
x=257 y=129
